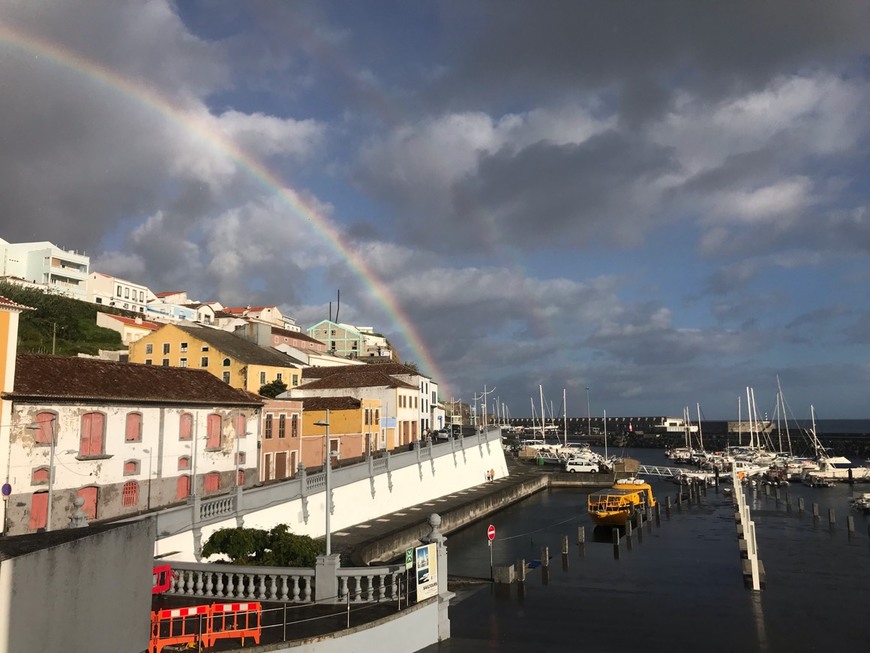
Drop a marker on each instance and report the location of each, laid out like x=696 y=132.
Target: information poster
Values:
x=426 y=568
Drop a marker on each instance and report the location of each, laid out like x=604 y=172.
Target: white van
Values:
x=577 y=465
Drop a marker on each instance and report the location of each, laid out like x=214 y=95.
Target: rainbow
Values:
x=148 y=97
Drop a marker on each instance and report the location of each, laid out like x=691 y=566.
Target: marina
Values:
x=676 y=584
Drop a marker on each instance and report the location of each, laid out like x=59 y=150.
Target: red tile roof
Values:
x=145 y=324
x=9 y=304
x=66 y=378
x=353 y=376
x=331 y=403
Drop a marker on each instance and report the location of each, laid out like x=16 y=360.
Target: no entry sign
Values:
x=490 y=532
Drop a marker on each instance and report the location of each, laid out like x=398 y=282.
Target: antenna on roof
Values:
x=338 y=305
x=330 y=311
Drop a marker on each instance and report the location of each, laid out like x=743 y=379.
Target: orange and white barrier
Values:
x=160 y=578
x=177 y=626
x=205 y=624
x=233 y=620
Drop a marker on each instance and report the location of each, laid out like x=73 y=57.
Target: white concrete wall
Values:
x=455 y=466
x=89 y=594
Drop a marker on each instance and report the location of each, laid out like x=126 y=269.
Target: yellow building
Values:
x=354 y=426
x=235 y=360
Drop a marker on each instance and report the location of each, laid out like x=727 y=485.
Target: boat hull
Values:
x=615 y=519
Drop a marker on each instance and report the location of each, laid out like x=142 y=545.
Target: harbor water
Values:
x=678 y=584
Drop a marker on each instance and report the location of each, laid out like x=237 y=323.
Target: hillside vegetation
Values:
x=71 y=324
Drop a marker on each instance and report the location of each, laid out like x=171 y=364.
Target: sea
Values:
x=677 y=586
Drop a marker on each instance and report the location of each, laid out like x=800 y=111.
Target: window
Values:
x=212 y=482
x=182 y=362
x=165 y=362
x=213 y=433
x=118 y=291
x=183 y=347
x=280 y=376
x=91 y=495
x=185 y=427
x=241 y=458
x=240 y=425
x=262 y=378
x=183 y=462
x=92 y=434
x=149 y=349
x=226 y=377
x=294 y=426
x=165 y=348
x=204 y=348
x=130 y=494
x=126 y=293
x=131 y=467
x=182 y=488
x=39 y=476
x=38 y=510
x=282 y=426
x=43 y=434
x=226 y=362
x=268 y=429
x=141 y=295
x=377 y=415
x=203 y=362
x=240 y=478
x=133 y=432
x=295 y=378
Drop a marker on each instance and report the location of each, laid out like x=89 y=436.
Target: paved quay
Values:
x=385 y=539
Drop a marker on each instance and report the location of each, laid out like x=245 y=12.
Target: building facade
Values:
x=47 y=265
x=126 y=438
x=106 y=290
x=280 y=436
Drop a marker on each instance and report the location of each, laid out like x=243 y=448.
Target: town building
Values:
x=354 y=428
x=280 y=436
x=268 y=314
x=236 y=361
x=126 y=438
x=46 y=265
x=350 y=341
x=131 y=329
x=107 y=290
x=398 y=401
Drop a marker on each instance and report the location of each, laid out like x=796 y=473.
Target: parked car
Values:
x=575 y=465
x=442 y=434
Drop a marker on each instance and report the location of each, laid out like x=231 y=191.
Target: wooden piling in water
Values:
x=832 y=518
x=658 y=514
x=850 y=525
x=581 y=535
x=800 y=504
x=521 y=570
x=815 y=510
x=564 y=545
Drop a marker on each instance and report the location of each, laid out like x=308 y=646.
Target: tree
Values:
x=254 y=546
x=273 y=389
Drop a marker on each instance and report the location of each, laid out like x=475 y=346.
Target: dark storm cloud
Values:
x=561 y=195
x=535 y=49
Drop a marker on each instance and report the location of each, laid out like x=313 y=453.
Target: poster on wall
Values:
x=426 y=566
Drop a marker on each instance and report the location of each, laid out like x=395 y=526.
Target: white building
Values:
x=106 y=290
x=42 y=263
x=125 y=437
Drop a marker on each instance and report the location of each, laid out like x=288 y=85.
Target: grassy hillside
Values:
x=69 y=322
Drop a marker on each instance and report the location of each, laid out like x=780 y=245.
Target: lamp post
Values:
x=326 y=472
x=588 y=417
x=150 y=457
x=38 y=427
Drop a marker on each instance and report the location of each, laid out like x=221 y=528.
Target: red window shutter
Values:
x=38 y=510
x=185 y=428
x=183 y=487
x=212 y=482
x=43 y=433
x=213 y=440
x=91 y=443
x=134 y=428
x=39 y=476
x=90 y=495
x=130 y=494
x=184 y=462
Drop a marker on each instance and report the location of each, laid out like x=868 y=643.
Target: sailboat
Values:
x=832 y=468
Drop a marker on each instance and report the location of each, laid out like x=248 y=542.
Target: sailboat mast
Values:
x=700 y=431
x=605 y=434
x=784 y=415
x=543 y=421
x=739 y=422
x=565 y=415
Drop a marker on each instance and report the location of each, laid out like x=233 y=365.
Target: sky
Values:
x=638 y=206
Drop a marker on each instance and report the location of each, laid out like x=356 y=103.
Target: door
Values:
x=281 y=465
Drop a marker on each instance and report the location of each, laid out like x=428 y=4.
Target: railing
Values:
x=222 y=582
x=282 y=584
x=217 y=507
x=369 y=584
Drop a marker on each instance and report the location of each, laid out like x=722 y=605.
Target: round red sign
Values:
x=490 y=532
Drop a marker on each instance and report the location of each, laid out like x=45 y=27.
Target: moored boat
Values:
x=616 y=505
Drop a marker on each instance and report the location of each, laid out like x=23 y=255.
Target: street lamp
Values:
x=326 y=471
x=37 y=426
x=148 y=451
x=588 y=417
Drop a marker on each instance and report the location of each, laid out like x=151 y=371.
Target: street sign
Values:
x=490 y=532
x=6 y=490
x=409 y=558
